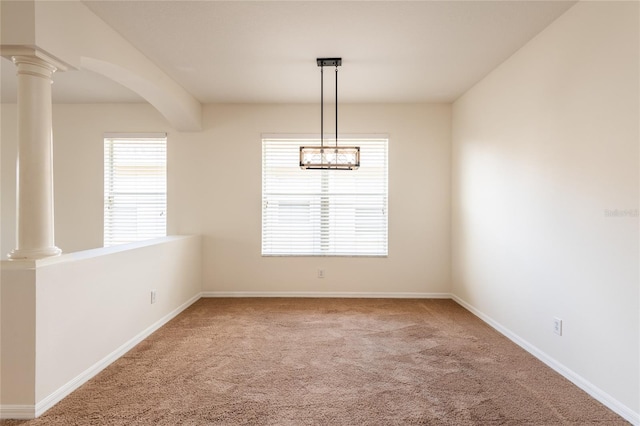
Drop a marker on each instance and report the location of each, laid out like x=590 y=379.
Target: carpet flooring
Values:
x=327 y=362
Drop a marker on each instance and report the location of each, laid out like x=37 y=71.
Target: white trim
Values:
x=86 y=254
x=318 y=294
x=19 y=412
x=134 y=135
x=594 y=391
x=55 y=397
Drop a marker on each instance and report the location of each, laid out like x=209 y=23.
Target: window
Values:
x=135 y=188
x=323 y=212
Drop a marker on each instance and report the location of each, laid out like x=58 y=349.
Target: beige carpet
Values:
x=327 y=362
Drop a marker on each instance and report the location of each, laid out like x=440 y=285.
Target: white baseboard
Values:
x=597 y=393
x=30 y=411
x=318 y=294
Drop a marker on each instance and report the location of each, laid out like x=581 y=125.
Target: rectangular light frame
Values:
x=329 y=158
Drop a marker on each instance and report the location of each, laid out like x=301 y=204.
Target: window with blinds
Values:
x=135 y=188
x=324 y=212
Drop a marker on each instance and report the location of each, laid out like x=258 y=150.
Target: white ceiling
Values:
x=265 y=51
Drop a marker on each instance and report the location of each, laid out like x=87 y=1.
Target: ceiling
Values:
x=265 y=51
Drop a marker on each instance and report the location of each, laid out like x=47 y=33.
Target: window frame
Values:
x=133 y=194
x=378 y=246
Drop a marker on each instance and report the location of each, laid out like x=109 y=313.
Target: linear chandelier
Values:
x=325 y=157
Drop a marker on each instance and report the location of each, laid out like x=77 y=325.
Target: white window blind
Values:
x=323 y=212
x=135 y=188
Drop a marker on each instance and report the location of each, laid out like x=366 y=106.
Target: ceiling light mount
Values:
x=329 y=158
x=329 y=62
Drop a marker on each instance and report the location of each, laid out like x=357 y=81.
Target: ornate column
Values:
x=35 y=229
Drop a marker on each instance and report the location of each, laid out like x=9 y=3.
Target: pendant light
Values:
x=329 y=157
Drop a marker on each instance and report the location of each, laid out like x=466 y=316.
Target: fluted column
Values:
x=35 y=229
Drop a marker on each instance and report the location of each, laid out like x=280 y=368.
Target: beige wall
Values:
x=215 y=190
x=542 y=148
x=228 y=198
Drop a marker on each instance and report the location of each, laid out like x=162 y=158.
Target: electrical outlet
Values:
x=154 y=294
x=557 y=326
x=320 y=273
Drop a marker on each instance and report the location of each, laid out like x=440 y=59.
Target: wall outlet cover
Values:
x=557 y=326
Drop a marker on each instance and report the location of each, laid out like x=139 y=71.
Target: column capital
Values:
x=32 y=65
x=11 y=51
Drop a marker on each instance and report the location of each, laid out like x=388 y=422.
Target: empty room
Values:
x=320 y=212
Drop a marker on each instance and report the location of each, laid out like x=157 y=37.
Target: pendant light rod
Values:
x=327 y=62
x=336 y=107
x=322 y=106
